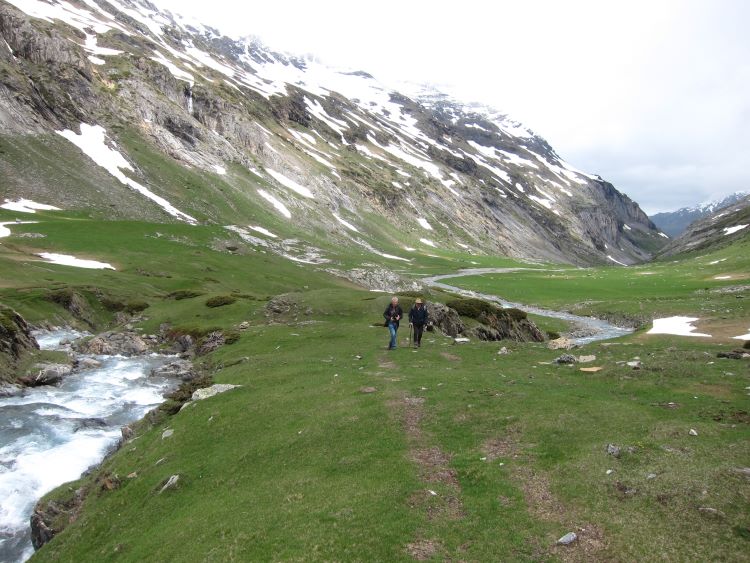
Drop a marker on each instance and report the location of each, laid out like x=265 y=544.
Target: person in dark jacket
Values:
x=418 y=320
x=393 y=314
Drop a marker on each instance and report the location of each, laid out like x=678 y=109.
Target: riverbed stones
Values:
x=86 y=363
x=181 y=369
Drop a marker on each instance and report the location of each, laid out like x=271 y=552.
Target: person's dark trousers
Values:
x=418 y=330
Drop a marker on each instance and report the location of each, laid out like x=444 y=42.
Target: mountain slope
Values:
x=724 y=226
x=674 y=223
x=123 y=111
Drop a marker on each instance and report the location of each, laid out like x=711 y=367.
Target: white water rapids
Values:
x=50 y=435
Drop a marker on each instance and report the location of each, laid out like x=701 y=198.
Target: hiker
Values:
x=393 y=314
x=418 y=320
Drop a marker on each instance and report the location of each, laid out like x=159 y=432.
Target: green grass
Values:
x=299 y=464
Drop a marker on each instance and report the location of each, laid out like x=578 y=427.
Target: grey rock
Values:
x=182 y=369
x=85 y=423
x=712 y=512
x=635 y=364
x=170 y=483
x=503 y=351
x=613 y=450
x=207 y=392
x=567 y=539
x=367 y=390
x=47 y=374
x=586 y=359
x=127 y=432
x=693 y=432
x=112 y=343
x=244 y=325
x=651 y=476
x=168 y=433
x=445 y=319
x=461 y=340
x=561 y=344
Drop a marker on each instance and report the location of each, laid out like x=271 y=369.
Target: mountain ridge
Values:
x=259 y=125
x=674 y=223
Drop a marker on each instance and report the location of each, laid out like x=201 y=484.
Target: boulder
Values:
x=567 y=539
x=586 y=359
x=16 y=341
x=207 y=392
x=46 y=374
x=561 y=344
x=182 y=369
x=112 y=343
x=445 y=319
x=613 y=450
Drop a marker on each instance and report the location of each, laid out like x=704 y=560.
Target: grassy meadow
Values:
x=334 y=449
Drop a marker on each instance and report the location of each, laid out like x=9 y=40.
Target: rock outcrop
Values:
x=112 y=343
x=46 y=374
x=16 y=342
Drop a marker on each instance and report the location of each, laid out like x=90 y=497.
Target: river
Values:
x=52 y=434
x=592 y=329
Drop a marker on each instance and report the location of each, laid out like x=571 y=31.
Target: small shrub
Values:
x=746 y=345
x=220 y=301
x=195 y=331
x=183 y=294
x=112 y=304
x=515 y=314
x=133 y=307
x=471 y=307
x=62 y=297
x=231 y=336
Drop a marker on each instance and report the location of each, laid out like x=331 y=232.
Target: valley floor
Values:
x=335 y=449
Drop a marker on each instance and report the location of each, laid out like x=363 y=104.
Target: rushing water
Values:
x=593 y=329
x=52 y=434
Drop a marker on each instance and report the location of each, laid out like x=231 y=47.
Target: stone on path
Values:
x=567 y=539
x=592 y=369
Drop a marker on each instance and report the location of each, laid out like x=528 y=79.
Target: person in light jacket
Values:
x=393 y=314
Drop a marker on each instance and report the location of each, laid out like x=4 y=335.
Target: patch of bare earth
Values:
x=543 y=504
x=433 y=465
x=421 y=550
x=449 y=356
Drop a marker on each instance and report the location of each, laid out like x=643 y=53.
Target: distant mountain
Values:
x=124 y=111
x=674 y=223
x=723 y=226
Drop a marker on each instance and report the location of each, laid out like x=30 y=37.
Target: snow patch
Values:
x=220 y=170
x=424 y=224
x=346 y=223
x=732 y=230
x=27 y=206
x=91 y=141
x=5 y=231
x=428 y=242
x=742 y=336
x=678 y=326
x=262 y=231
x=722 y=277
x=615 y=261
x=68 y=260
x=291 y=184
x=280 y=207
x=627 y=227
x=663 y=235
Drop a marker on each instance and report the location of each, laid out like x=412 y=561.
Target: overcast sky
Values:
x=652 y=95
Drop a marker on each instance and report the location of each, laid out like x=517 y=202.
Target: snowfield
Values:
x=91 y=141
x=732 y=230
x=743 y=336
x=678 y=326
x=5 y=231
x=68 y=260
